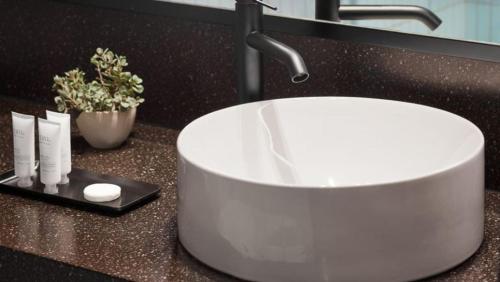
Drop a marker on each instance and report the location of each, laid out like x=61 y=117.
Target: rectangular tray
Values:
x=133 y=193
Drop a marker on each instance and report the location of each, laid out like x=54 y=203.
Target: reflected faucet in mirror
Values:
x=252 y=44
x=332 y=10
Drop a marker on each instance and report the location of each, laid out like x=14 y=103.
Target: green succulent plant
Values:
x=112 y=90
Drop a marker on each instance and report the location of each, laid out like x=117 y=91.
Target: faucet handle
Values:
x=266 y=5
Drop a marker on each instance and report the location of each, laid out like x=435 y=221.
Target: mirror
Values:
x=461 y=19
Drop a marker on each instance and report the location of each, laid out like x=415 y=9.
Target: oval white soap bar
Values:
x=102 y=192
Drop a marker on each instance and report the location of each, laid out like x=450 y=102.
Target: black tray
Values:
x=133 y=193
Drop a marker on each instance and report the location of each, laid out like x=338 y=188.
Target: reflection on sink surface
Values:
x=331 y=189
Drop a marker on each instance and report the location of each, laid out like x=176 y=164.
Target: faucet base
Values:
x=248 y=60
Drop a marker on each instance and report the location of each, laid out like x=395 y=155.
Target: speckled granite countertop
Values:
x=142 y=245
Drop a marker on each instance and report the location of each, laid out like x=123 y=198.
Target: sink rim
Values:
x=474 y=153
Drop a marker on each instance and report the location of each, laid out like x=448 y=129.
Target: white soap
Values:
x=102 y=192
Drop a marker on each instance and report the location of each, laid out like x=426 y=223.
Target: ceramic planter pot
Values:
x=106 y=130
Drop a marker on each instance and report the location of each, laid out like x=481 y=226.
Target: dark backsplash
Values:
x=188 y=67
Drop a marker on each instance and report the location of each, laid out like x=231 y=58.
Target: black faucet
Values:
x=251 y=44
x=331 y=10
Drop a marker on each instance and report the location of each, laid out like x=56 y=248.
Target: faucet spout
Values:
x=331 y=10
x=368 y=12
x=282 y=53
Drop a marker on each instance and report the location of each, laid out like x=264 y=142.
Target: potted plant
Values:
x=107 y=105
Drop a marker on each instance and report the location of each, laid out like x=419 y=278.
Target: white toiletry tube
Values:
x=49 y=134
x=65 y=121
x=23 y=128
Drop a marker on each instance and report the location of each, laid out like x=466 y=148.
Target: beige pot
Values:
x=106 y=130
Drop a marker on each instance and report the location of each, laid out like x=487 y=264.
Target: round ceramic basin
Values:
x=331 y=189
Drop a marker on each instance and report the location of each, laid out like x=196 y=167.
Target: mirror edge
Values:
x=310 y=27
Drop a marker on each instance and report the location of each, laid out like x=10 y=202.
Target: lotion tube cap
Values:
x=51 y=189
x=24 y=182
x=64 y=179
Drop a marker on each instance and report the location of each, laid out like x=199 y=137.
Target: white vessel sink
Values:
x=331 y=189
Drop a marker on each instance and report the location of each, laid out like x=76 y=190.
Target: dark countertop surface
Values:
x=142 y=244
